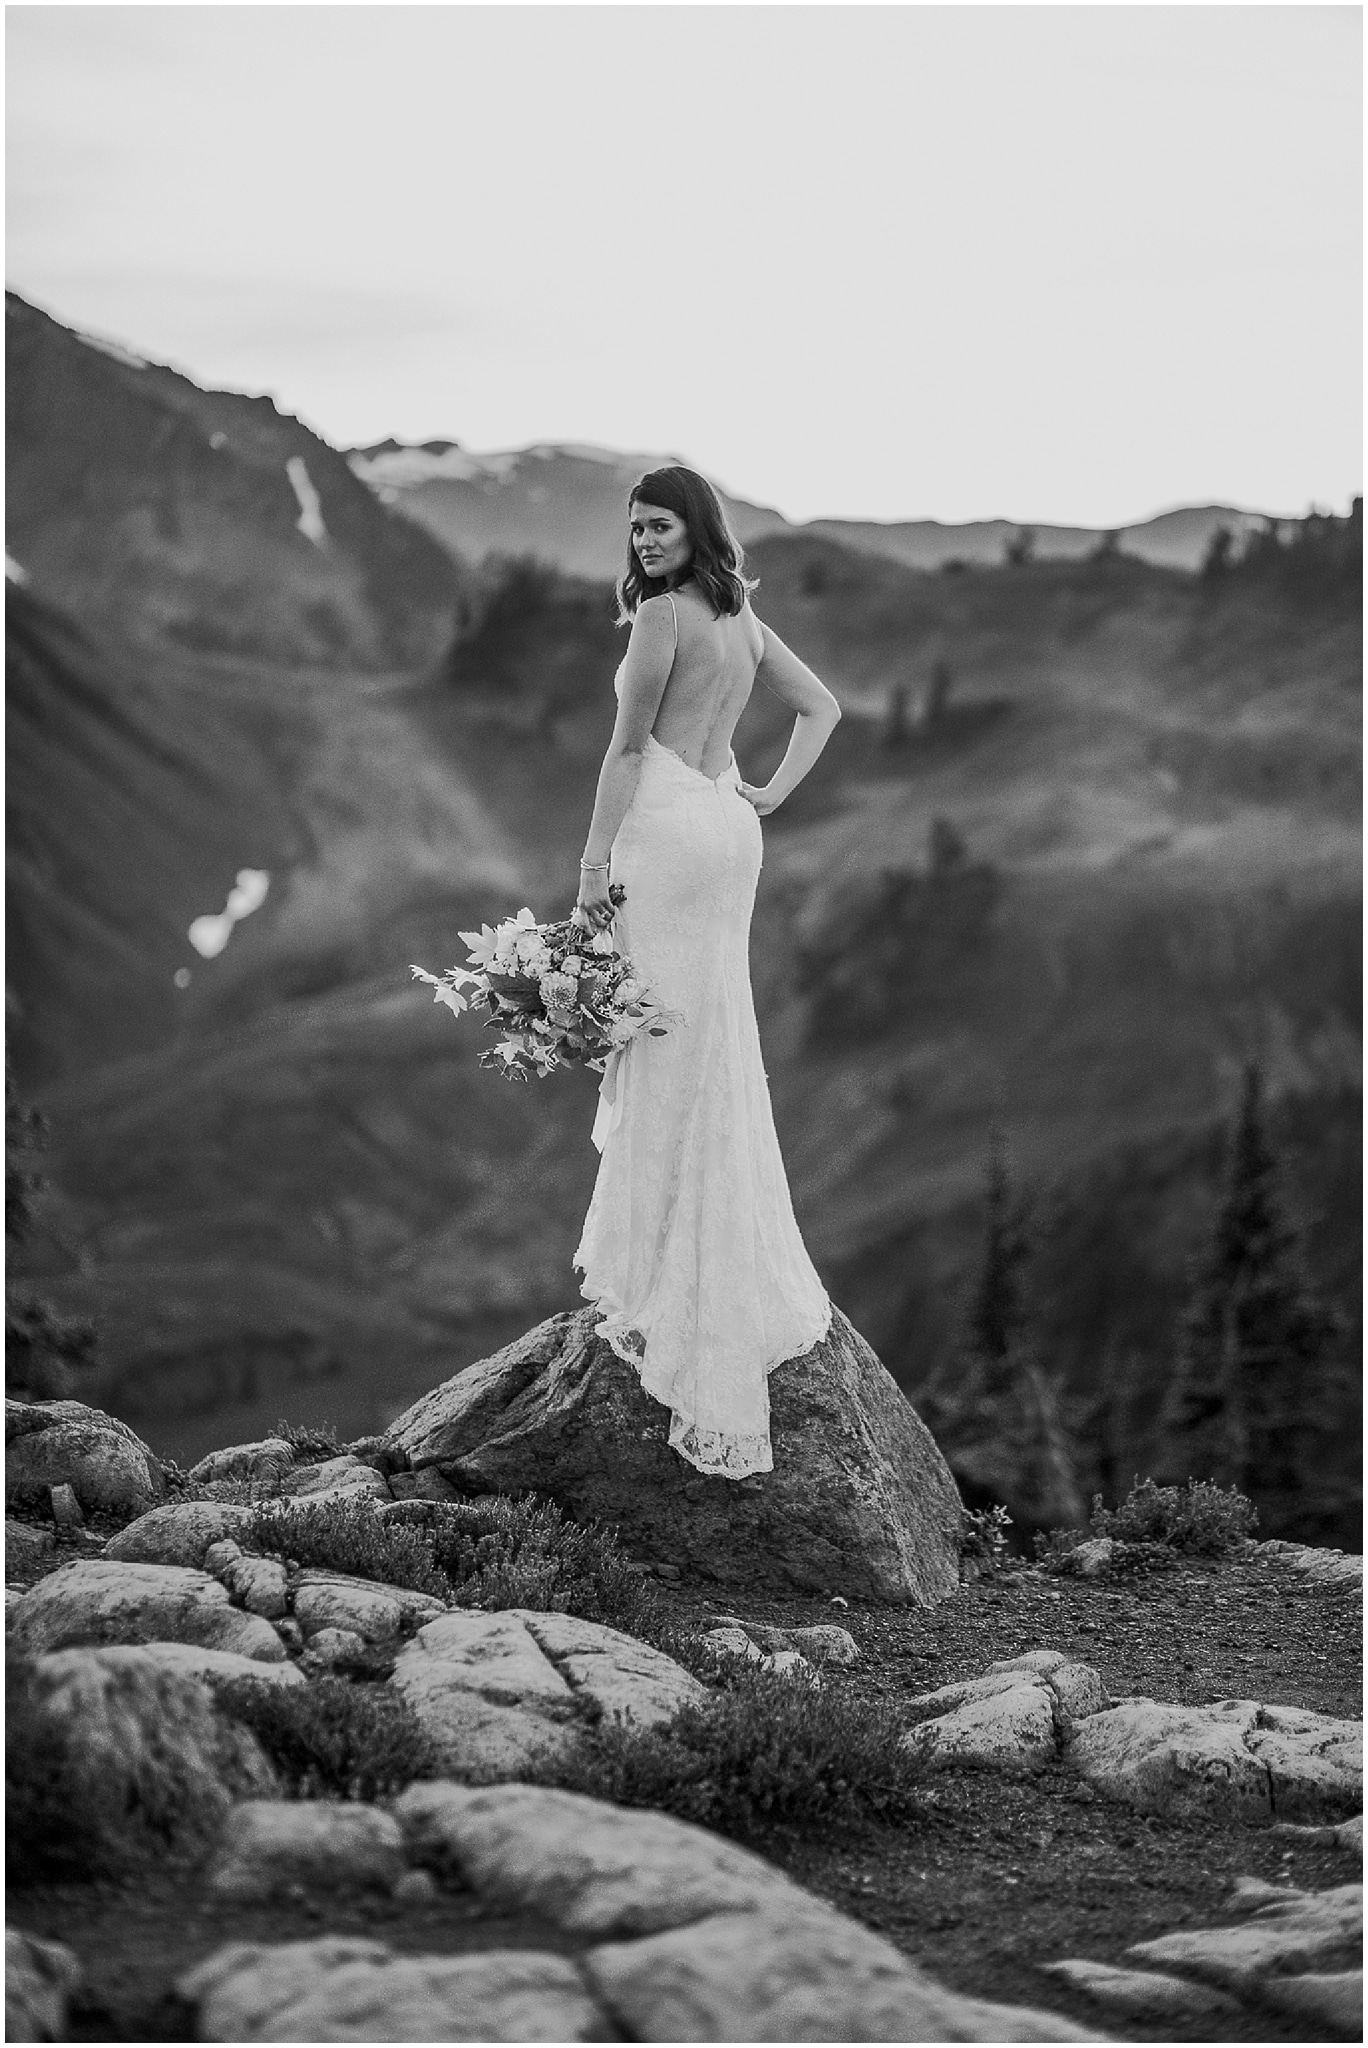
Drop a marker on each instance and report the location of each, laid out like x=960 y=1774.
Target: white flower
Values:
x=572 y=964
x=557 y=990
x=628 y=990
x=602 y=942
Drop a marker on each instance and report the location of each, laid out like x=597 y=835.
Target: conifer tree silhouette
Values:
x=1256 y=1374
x=997 y=1413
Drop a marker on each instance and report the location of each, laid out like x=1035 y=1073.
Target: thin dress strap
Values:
x=675 y=616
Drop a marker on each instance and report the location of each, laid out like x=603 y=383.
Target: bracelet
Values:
x=594 y=867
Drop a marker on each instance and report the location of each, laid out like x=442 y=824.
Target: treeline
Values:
x=1318 y=559
x=1262 y=1387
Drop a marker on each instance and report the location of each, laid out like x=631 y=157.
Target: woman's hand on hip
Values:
x=763 y=799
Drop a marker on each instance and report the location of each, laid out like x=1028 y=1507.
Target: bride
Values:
x=690 y=1248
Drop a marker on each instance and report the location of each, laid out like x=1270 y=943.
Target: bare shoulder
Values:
x=655 y=619
x=754 y=630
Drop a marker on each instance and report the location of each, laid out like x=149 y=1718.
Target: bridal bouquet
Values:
x=560 y=996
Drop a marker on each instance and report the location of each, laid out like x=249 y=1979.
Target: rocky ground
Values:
x=999 y=1875
x=1127 y=1806
x=1004 y=1874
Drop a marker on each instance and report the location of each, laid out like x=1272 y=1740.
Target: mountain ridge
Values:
x=566 y=502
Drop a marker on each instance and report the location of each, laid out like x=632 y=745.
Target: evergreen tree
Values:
x=937 y=699
x=42 y=1348
x=1256 y=1382
x=897 y=716
x=1220 y=554
x=999 y=1415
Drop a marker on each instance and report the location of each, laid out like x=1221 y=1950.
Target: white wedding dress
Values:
x=690 y=1247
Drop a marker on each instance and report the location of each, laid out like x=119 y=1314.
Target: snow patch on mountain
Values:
x=310 y=520
x=113 y=348
x=402 y=468
x=210 y=934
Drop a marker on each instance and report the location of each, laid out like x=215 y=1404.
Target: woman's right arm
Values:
x=818 y=714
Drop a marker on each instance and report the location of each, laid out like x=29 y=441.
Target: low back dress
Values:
x=690 y=1247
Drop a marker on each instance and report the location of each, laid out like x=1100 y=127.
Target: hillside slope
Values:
x=1086 y=837
x=204 y=518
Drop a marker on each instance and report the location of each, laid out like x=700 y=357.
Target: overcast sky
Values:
x=1071 y=264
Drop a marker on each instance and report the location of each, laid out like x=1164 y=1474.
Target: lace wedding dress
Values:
x=690 y=1247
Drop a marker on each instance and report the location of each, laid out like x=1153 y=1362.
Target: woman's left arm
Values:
x=645 y=672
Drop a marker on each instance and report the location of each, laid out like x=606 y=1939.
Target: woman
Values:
x=690 y=1247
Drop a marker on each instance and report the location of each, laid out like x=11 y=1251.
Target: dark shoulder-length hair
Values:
x=718 y=566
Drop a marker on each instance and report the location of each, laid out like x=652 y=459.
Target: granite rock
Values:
x=860 y=1501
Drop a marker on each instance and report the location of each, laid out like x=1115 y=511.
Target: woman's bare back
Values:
x=710 y=683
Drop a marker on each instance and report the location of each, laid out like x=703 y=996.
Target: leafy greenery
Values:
x=983 y=1541
x=331 y=1739
x=310 y=1446
x=1155 y=1525
x=491 y=1553
x=1198 y=1520
x=769 y=1748
x=345 y=1536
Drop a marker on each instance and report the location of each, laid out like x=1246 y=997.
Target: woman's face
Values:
x=660 y=538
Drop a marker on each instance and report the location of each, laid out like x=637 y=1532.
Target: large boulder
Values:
x=114 y=1757
x=96 y=1600
x=271 y=1848
x=347 y=1988
x=178 y=1533
x=375 y=1612
x=499 y=1693
x=1232 y=1760
x=63 y=1443
x=40 y=1977
x=860 y=1501
x=266 y=1462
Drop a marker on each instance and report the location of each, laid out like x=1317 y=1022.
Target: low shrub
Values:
x=1200 y=1519
x=1155 y=1525
x=983 y=1542
x=491 y=1553
x=769 y=1748
x=345 y=1536
x=331 y=1739
x=310 y=1446
x=525 y=1553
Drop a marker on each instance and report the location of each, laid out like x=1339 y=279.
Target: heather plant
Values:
x=331 y=1739
x=346 y=1536
x=983 y=1541
x=1154 y=1526
x=492 y=1553
x=1200 y=1519
x=769 y=1748
x=310 y=1446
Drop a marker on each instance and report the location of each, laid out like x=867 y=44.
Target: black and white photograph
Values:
x=683 y=1022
